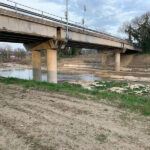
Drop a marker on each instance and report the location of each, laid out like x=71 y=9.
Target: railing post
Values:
x=16 y=7
x=42 y=14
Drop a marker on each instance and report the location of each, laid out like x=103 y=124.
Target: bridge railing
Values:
x=20 y=8
x=43 y=13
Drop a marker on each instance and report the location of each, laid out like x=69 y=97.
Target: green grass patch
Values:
x=106 y=85
x=129 y=100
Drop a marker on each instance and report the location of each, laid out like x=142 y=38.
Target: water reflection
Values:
x=27 y=74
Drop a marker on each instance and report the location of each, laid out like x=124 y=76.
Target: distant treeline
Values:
x=7 y=53
x=69 y=51
x=20 y=55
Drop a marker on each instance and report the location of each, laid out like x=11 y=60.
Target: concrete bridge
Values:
x=38 y=32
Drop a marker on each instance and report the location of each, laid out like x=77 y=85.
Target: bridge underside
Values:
x=89 y=46
x=24 y=38
x=20 y=38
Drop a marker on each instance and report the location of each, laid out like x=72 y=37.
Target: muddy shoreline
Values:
x=123 y=75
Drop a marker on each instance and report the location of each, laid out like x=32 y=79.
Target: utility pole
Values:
x=83 y=20
x=66 y=14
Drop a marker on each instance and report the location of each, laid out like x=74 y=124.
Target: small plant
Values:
x=71 y=124
x=120 y=136
x=124 y=116
x=35 y=145
x=105 y=109
x=87 y=112
x=101 y=138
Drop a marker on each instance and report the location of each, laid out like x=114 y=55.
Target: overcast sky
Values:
x=107 y=15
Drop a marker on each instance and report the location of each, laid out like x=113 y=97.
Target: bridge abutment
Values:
x=36 y=65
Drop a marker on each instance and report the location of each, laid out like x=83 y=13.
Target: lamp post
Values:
x=66 y=14
x=83 y=20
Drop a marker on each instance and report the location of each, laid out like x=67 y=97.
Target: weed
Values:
x=121 y=136
x=87 y=112
x=124 y=116
x=101 y=138
x=80 y=133
x=71 y=124
x=35 y=145
x=105 y=109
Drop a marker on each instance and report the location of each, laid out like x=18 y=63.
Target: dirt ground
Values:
x=35 y=120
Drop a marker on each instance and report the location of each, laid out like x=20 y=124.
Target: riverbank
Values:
x=43 y=116
x=129 y=95
x=133 y=67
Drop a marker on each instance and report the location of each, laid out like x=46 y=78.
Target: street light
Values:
x=83 y=20
x=66 y=14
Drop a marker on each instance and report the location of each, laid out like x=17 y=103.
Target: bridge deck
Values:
x=23 y=28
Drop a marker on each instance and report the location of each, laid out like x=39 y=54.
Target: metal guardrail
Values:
x=61 y=20
x=41 y=12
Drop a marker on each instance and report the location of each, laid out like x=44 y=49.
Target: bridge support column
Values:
x=36 y=64
x=104 y=60
x=52 y=66
x=117 y=61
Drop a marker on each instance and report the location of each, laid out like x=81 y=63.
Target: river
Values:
x=27 y=74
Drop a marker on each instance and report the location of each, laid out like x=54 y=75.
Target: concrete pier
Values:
x=117 y=61
x=104 y=60
x=52 y=66
x=36 y=63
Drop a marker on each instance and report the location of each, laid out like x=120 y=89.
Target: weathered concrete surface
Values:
x=12 y=22
x=22 y=26
x=36 y=63
x=38 y=34
x=97 y=40
x=104 y=60
x=117 y=61
x=52 y=65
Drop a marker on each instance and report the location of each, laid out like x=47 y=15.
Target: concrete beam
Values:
x=22 y=26
x=16 y=23
x=49 y=44
x=36 y=63
x=37 y=46
x=52 y=66
x=97 y=40
x=117 y=61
